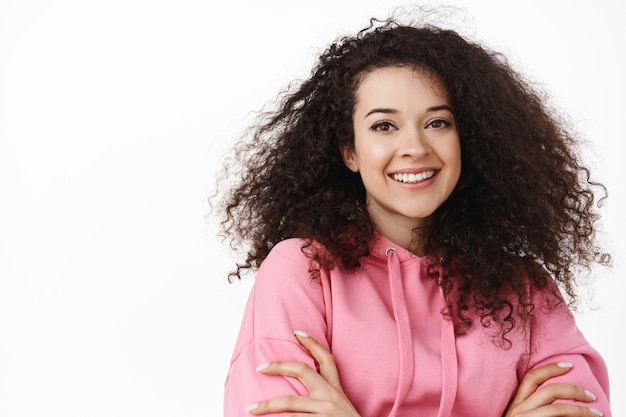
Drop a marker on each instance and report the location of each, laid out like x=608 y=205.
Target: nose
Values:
x=414 y=144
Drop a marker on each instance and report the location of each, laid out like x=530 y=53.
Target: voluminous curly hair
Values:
x=524 y=204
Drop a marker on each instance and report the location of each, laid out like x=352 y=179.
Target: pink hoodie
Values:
x=396 y=354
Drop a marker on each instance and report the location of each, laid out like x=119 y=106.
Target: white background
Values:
x=113 y=116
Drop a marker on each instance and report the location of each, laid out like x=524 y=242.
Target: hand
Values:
x=532 y=401
x=326 y=397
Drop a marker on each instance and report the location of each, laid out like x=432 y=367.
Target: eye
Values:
x=382 y=126
x=439 y=124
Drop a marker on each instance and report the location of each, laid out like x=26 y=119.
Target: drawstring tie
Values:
x=449 y=365
x=403 y=329
x=405 y=343
x=449 y=368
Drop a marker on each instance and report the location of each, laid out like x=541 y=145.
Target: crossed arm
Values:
x=327 y=399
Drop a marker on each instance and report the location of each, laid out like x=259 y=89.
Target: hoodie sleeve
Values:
x=554 y=338
x=284 y=298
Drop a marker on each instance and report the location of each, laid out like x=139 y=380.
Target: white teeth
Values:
x=413 y=178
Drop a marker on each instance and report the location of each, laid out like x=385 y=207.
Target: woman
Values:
x=417 y=209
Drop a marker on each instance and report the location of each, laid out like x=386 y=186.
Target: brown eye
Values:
x=438 y=124
x=382 y=127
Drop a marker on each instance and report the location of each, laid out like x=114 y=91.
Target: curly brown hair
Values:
x=525 y=203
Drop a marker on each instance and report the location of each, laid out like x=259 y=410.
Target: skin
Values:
x=326 y=397
x=403 y=124
x=532 y=401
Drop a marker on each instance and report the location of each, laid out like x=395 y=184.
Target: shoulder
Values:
x=291 y=246
x=292 y=259
x=296 y=251
x=290 y=251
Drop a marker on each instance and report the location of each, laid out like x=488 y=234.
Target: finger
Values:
x=326 y=361
x=562 y=410
x=305 y=374
x=547 y=394
x=533 y=379
x=289 y=403
x=551 y=392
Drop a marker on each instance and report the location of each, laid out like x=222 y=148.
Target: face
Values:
x=406 y=148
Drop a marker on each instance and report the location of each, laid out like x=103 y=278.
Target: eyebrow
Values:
x=394 y=111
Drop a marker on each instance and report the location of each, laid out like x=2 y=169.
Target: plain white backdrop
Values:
x=113 y=118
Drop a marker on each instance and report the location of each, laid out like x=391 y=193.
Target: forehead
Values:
x=388 y=83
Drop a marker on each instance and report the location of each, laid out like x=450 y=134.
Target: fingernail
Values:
x=590 y=395
x=596 y=412
x=262 y=366
x=565 y=364
x=252 y=407
x=300 y=333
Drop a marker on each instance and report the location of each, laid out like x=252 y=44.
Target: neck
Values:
x=402 y=233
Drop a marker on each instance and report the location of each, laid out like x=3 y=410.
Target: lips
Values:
x=411 y=178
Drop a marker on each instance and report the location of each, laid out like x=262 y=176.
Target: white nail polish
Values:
x=300 y=333
x=565 y=365
x=596 y=412
x=262 y=366
x=590 y=395
x=252 y=407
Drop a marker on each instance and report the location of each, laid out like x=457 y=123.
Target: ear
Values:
x=349 y=158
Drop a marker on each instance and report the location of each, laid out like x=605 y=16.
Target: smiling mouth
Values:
x=413 y=178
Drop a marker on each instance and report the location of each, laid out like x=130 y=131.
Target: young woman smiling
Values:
x=415 y=213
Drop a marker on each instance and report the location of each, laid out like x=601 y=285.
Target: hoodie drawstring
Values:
x=403 y=329
x=449 y=365
x=405 y=343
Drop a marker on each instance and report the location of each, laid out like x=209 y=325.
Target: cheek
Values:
x=451 y=153
x=370 y=153
x=456 y=157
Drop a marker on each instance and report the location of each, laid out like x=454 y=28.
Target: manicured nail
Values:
x=590 y=395
x=300 y=333
x=262 y=366
x=565 y=364
x=252 y=407
x=596 y=412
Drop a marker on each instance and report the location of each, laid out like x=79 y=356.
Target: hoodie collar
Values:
x=380 y=246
